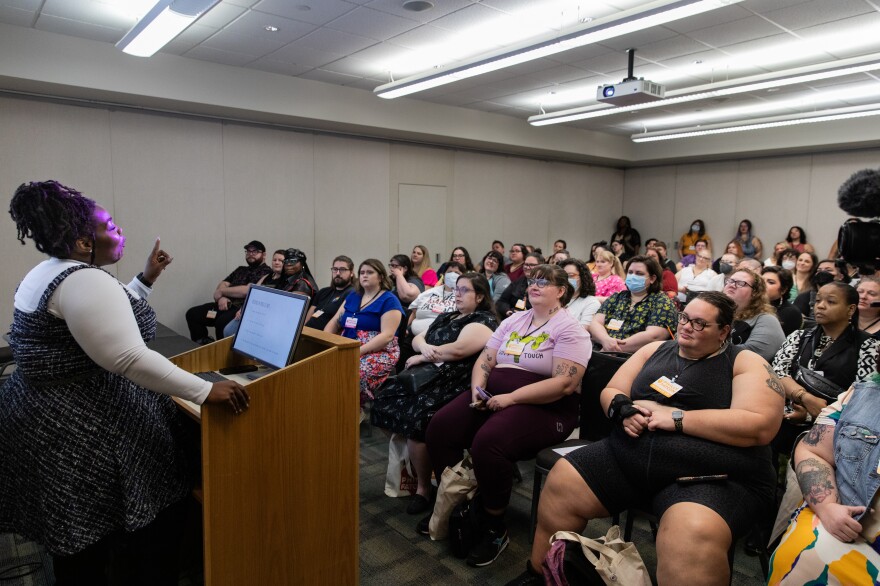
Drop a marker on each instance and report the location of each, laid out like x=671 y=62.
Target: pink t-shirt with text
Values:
x=561 y=337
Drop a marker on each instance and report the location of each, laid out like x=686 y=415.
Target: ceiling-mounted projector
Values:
x=637 y=91
x=630 y=90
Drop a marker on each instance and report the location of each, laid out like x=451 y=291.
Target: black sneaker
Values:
x=488 y=548
x=527 y=578
x=417 y=504
x=423 y=526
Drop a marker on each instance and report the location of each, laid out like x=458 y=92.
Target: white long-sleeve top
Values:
x=99 y=316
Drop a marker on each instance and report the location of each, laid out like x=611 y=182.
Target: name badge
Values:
x=211 y=314
x=351 y=322
x=318 y=313
x=514 y=348
x=614 y=325
x=520 y=304
x=665 y=386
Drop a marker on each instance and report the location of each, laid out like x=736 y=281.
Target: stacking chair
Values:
x=594 y=424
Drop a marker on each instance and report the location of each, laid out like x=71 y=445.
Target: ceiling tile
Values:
x=91 y=11
x=573 y=56
x=254 y=45
x=762 y=6
x=562 y=74
x=192 y=36
x=221 y=15
x=328 y=76
x=817 y=12
x=849 y=37
x=76 y=28
x=604 y=63
x=320 y=12
x=218 y=56
x=472 y=17
x=441 y=8
x=670 y=48
x=17 y=16
x=738 y=31
x=711 y=18
x=637 y=39
x=300 y=55
x=254 y=22
x=280 y=67
x=357 y=67
x=423 y=36
x=334 y=41
x=244 y=3
x=33 y=5
x=373 y=24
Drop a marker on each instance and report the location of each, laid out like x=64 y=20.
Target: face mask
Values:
x=450 y=279
x=788 y=264
x=574 y=283
x=725 y=267
x=695 y=227
x=636 y=283
x=822 y=278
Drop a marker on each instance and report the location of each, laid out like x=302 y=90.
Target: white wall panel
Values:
x=479 y=196
x=649 y=202
x=707 y=192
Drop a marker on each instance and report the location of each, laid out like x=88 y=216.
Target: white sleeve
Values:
x=99 y=316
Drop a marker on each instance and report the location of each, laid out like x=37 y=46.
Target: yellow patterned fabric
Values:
x=809 y=555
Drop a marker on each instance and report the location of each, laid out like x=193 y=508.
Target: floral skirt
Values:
x=376 y=366
x=808 y=554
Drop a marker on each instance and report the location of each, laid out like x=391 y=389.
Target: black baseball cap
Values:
x=255 y=244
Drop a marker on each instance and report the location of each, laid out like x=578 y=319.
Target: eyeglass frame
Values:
x=684 y=318
x=737 y=284
x=539 y=283
x=339 y=270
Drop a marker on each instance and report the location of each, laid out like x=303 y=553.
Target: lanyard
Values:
x=679 y=359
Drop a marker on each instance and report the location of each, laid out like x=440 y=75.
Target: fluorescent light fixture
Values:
x=651 y=15
x=760 y=123
x=763 y=81
x=166 y=20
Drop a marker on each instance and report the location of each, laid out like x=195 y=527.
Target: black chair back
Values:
x=600 y=370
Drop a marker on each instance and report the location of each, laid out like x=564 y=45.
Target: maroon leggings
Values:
x=498 y=439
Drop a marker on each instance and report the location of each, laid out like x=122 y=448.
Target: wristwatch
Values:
x=677 y=417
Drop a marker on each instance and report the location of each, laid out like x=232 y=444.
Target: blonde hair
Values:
x=758 y=302
x=616 y=267
x=425 y=264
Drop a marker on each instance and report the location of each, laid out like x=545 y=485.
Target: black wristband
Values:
x=144 y=280
x=620 y=408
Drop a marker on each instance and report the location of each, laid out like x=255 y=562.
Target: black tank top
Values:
x=706 y=383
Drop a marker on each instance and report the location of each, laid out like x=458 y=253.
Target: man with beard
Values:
x=228 y=296
x=326 y=303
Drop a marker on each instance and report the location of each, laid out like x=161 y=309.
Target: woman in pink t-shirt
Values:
x=608 y=276
x=523 y=398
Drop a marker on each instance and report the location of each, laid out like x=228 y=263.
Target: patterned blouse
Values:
x=654 y=310
x=867 y=364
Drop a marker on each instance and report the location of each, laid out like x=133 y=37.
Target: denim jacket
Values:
x=856 y=446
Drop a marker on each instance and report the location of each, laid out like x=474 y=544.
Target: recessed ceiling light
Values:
x=417 y=5
x=270 y=28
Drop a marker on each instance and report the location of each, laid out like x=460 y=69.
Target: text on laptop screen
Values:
x=271 y=321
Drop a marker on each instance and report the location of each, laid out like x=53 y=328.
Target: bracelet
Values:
x=797 y=399
x=143 y=279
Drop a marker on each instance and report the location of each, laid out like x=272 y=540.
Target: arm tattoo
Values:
x=817 y=432
x=773 y=382
x=572 y=371
x=487 y=355
x=814 y=478
x=560 y=370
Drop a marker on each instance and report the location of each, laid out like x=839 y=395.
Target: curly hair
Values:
x=758 y=303
x=52 y=215
x=588 y=287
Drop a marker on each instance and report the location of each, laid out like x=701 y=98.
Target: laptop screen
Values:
x=271 y=322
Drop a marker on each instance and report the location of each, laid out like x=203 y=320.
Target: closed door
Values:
x=421 y=219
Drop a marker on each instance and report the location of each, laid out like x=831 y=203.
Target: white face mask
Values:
x=788 y=264
x=695 y=227
x=449 y=279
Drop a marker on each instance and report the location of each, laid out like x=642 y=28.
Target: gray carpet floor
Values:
x=391 y=552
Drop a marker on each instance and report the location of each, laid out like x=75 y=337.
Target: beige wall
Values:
x=774 y=193
x=208 y=187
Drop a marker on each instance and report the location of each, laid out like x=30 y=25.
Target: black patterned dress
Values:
x=396 y=409
x=83 y=452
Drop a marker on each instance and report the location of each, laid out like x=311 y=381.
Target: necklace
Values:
x=688 y=362
x=867 y=327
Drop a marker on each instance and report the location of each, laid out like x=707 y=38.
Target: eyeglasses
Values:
x=459 y=255
x=392 y=265
x=516 y=250
x=539 y=283
x=738 y=284
x=529 y=266
x=252 y=251
x=336 y=270
x=462 y=290
x=490 y=259
x=698 y=324
x=705 y=257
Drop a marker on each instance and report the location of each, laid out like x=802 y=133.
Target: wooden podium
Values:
x=279 y=483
